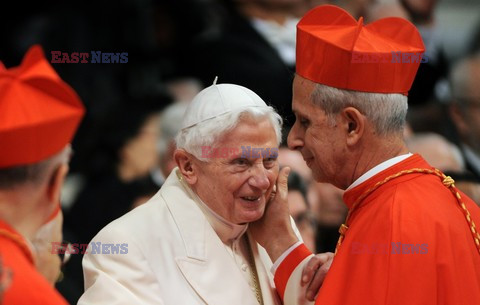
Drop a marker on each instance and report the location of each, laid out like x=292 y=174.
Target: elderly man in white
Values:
x=190 y=243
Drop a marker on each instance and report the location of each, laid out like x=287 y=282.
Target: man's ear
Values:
x=353 y=121
x=185 y=163
x=54 y=187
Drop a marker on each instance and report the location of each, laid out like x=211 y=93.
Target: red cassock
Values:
x=20 y=282
x=408 y=242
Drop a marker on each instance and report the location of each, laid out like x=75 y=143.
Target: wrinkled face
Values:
x=237 y=183
x=320 y=142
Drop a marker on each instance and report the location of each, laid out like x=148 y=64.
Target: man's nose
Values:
x=259 y=178
x=294 y=140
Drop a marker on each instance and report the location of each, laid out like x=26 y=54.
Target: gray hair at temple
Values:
x=34 y=173
x=170 y=124
x=387 y=112
x=207 y=133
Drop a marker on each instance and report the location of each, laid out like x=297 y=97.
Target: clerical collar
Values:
x=226 y=230
x=377 y=169
x=282 y=37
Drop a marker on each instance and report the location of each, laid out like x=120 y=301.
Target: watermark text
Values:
x=392 y=248
x=91 y=248
x=209 y=152
x=94 y=57
x=393 y=57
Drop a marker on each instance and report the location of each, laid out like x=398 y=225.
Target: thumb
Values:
x=282 y=182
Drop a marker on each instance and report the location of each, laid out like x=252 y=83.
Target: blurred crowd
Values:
x=123 y=150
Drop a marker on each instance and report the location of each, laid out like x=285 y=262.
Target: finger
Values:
x=312 y=266
x=316 y=283
x=282 y=182
x=273 y=193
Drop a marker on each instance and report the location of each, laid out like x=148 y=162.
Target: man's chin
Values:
x=252 y=216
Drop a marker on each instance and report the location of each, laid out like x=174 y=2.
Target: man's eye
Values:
x=269 y=162
x=304 y=122
x=240 y=161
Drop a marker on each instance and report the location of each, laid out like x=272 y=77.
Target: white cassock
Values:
x=179 y=252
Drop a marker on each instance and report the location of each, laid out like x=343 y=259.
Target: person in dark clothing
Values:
x=255 y=48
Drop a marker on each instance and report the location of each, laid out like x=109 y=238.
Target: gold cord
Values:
x=254 y=274
x=447 y=182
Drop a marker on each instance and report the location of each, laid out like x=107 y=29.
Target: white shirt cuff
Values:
x=283 y=256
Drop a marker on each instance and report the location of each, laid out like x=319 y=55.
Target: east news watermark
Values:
x=92 y=57
x=91 y=248
x=393 y=57
x=388 y=248
x=246 y=152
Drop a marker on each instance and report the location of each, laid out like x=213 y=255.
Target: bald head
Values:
x=465 y=77
x=439 y=152
x=465 y=108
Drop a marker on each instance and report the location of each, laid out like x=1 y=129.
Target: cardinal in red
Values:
x=39 y=114
x=410 y=237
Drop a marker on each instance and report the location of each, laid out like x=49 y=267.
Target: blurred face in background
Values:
x=466 y=113
x=421 y=12
x=296 y=203
x=139 y=155
x=327 y=203
x=304 y=218
x=306 y=224
x=294 y=160
x=422 y=7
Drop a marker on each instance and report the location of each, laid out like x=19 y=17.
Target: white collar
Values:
x=377 y=169
x=282 y=37
x=226 y=230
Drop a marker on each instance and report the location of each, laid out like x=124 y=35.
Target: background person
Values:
x=349 y=126
x=465 y=109
x=39 y=116
x=190 y=243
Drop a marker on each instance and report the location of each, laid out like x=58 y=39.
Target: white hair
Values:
x=207 y=133
x=387 y=112
x=170 y=124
